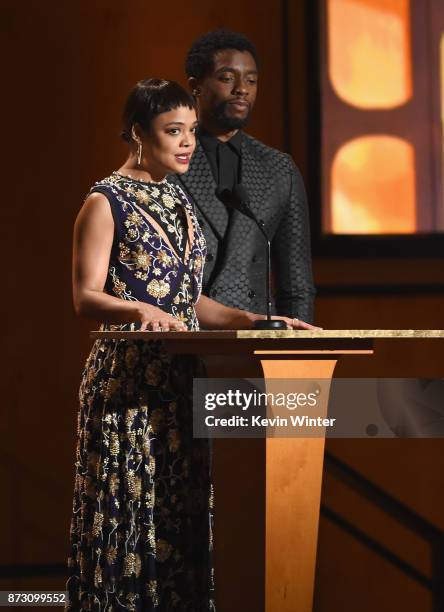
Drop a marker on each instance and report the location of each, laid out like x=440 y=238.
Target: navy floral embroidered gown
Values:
x=141 y=532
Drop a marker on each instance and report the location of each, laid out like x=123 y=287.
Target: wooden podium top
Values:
x=249 y=334
x=291 y=342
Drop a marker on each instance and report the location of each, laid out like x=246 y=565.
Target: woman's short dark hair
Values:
x=200 y=57
x=150 y=98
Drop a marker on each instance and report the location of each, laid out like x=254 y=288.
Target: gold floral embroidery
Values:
x=93 y=463
x=152 y=536
x=151 y=467
x=164 y=258
x=197 y=264
x=141 y=258
x=123 y=250
x=97 y=576
x=110 y=554
x=132 y=438
x=142 y=196
x=151 y=589
x=119 y=286
x=114 y=482
x=168 y=200
x=149 y=499
x=137 y=565
x=97 y=524
x=130 y=416
x=114 y=444
x=129 y=564
x=182 y=317
x=133 y=219
x=158 y=288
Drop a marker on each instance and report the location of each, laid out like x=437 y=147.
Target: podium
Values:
x=267 y=491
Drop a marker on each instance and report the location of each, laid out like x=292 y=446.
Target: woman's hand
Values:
x=155 y=319
x=213 y=315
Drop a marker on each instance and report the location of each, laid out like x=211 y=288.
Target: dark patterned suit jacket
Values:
x=234 y=272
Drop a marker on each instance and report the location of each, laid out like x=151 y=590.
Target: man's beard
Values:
x=224 y=121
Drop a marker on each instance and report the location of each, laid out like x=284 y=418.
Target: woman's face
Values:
x=171 y=141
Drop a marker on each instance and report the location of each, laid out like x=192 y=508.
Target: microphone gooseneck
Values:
x=240 y=201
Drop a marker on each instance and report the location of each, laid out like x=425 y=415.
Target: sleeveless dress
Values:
x=141 y=532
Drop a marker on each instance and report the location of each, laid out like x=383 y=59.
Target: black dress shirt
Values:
x=224 y=159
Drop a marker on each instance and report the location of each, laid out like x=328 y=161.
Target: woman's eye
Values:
x=193 y=130
x=173 y=131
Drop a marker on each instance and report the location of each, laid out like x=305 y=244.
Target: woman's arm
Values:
x=93 y=239
x=213 y=315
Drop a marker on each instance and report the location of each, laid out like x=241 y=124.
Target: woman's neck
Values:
x=143 y=172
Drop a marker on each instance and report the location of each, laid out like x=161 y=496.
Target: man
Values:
x=222 y=71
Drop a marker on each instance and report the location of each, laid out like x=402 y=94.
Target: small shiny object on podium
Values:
x=20 y=598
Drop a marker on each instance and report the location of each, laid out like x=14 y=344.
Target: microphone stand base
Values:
x=270 y=324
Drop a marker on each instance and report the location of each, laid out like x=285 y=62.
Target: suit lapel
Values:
x=199 y=183
x=258 y=184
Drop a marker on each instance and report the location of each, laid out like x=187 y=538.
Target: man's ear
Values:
x=193 y=85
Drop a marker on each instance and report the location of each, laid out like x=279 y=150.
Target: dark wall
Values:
x=67 y=68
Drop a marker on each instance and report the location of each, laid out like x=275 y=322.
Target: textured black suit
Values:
x=234 y=272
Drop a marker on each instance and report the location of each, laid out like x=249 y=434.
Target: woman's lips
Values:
x=183 y=158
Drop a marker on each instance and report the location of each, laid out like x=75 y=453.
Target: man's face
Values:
x=226 y=96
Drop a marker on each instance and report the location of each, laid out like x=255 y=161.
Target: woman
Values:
x=141 y=528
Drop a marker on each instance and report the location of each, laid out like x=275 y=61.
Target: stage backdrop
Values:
x=67 y=68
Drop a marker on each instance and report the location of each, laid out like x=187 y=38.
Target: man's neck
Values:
x=218 y=133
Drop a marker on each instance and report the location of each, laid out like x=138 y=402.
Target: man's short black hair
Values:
x=200 y=58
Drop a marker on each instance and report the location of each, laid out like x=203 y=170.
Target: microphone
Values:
x=240 y=201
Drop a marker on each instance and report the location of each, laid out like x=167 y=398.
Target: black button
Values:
x=251 y=294
x=254 y=259
x=214 y=292
x=210 y=257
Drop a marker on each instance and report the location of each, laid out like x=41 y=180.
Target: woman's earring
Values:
x=139 y=145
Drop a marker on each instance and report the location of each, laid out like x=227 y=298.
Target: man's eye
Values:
x=252 y=81
x=225 y=79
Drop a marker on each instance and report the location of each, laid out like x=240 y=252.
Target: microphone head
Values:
x=240 y=195
x=241 y=201
x=226 y=196
x=238 y=199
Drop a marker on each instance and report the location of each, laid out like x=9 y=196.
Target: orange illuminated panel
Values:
x=442 y=98
x=369 y=52
x=373 y=187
